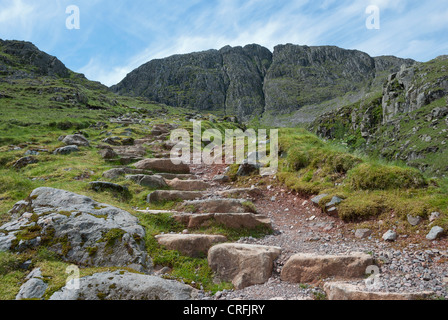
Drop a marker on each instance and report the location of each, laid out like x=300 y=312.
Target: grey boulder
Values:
x=122 y=285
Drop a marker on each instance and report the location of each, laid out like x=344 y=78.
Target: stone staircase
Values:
x=203 y=204
x=243 y=264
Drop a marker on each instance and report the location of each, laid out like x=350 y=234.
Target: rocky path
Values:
x=308 y=255
x=310 y=239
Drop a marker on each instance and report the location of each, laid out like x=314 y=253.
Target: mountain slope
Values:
x=251 y=82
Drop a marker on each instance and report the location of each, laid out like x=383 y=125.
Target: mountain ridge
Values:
x=253 y=82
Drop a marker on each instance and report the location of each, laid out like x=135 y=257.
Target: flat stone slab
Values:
x=173 y=195
x=230 y=220
x=150 y=181
x=241 y=193
x=192 y=245
x=242 y=264
x=219 y=206
x=123 y=285
x=162 y=165
x=347 y=291
x=309 y=268
x=188 y=185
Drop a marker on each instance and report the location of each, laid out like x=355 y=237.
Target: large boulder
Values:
x=162 y=165
x=123 y=285
x=78 y=229
x=192 y=245
x=244 y=265
x=309 y=268
x=77 y=140
x=34 y=287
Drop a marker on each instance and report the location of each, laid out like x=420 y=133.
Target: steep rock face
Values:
x=251 y=82
x=414 y=87
x=302 y=75
x=229 y=80
x=406 y=121
x=17 y=53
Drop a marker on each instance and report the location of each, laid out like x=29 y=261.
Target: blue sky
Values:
x=116 y=36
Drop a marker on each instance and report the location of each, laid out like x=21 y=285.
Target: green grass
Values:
x=370 y=187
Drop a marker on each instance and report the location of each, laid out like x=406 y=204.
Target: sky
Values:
x=107 y=39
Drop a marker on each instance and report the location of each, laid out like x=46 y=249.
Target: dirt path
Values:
x=300 y=227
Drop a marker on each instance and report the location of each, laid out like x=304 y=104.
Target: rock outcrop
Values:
x=78 y=229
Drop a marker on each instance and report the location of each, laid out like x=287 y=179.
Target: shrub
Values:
x=368 y=176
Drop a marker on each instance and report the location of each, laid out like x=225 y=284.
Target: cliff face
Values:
x=251 y=82
x=229 y=80
x=20 y=59
x=406 y=121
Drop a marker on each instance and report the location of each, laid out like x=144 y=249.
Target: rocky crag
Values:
x=251 y=82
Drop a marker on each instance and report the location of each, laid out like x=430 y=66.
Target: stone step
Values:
x=248 y=193
x=173 y=195
x=310 y=268
x=150 y=181
x=230 y=220
x=192 y=245
x=242 y=264
x=348 y=291
x=162 y=165
x=118 y=172
x=172 y=176
x=219 y=206
x=188 y=185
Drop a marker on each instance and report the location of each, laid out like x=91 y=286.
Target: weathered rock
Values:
x=414 y=221
x=123 y=285
x=220 y=206
x=346 y=291
x=78 y=229
x=390 y=236
x=316 y=200
x=241 y=193
x=434 y=216
x=66 y=150
x=244 y=265
x=188 y=185
x=117 y=172
x=162 y=165
x=151 y=181
x=25 y=161
x=229 y=220
x=246 y=169
x=172 y=176
x=221 y=178
x=173 y=195
x=309 y=268
x=363 y=233
x=77 y=140
x=192 y=245
x=33 y=288
x=101 y=186
x=334 y=201
x=108 y=153
x=435 y=233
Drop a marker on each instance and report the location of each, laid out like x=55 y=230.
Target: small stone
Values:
x=435 y=233
x=317 y=199
x=414 y=221
x=390 y=236
x=363 y=233
x=434 y=216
